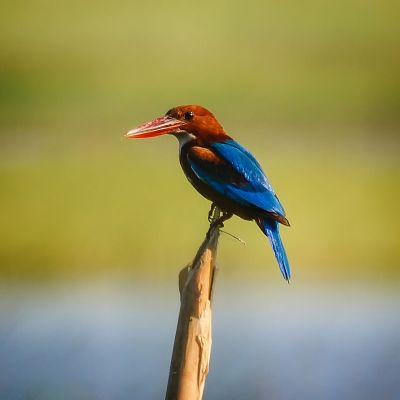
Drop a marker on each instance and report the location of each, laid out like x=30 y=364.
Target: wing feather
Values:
x=233 y=171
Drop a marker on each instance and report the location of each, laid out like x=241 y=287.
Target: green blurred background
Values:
x=94 y=228
x=311 y=88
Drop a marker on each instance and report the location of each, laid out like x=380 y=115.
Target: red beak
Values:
x=157 y=127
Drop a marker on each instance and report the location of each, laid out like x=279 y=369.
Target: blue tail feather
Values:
x=270 y=228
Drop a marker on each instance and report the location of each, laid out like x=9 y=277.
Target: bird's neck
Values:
x=184 y=138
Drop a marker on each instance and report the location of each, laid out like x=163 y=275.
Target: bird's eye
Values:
x=189 y=115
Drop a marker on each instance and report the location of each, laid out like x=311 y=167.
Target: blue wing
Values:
x=235 y=173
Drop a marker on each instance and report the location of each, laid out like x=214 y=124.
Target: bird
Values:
x=222 y=171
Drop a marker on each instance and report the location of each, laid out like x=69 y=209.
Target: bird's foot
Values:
x=219 y=222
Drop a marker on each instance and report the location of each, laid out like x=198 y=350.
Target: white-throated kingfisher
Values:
x=222 y=170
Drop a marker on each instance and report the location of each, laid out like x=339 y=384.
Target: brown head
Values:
x=182 y=120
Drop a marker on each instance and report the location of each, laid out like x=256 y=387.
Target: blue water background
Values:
x=114 y=341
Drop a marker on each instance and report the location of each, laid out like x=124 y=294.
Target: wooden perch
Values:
x=192 y=346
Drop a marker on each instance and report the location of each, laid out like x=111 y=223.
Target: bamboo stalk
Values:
x=192 y=347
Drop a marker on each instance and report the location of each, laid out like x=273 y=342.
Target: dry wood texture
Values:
x=192 y=346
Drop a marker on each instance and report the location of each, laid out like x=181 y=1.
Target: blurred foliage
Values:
x=312 y=88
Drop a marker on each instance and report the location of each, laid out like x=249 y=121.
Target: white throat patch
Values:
x=183 y=138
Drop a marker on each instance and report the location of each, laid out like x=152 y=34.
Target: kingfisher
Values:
x=222 y=171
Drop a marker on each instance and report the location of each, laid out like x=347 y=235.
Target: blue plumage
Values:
x=258 y=191
x=251 y=189
x=271 y=229
x=240 y=178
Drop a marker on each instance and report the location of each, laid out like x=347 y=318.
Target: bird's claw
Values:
x=218 y=222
